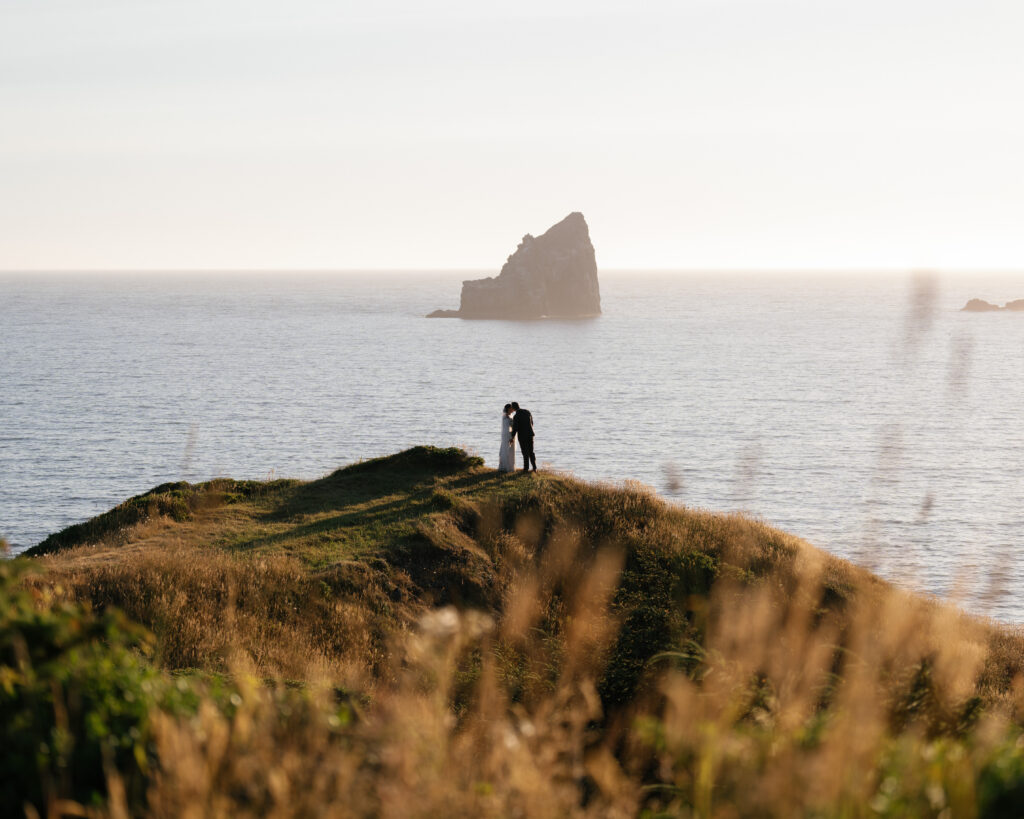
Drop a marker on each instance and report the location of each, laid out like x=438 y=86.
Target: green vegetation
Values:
x=75 y=695
x=417 y=635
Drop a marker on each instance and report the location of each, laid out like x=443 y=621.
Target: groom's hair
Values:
x=515 y=406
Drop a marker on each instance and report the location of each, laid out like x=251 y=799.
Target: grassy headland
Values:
x=416 y=635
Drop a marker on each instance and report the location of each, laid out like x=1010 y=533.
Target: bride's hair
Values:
x=507 y=408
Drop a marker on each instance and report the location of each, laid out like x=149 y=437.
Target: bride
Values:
x=507 y=457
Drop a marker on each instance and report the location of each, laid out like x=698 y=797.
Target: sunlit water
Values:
x=867 y=415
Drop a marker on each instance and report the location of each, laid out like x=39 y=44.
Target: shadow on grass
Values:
x=354 y=485
x=379 y=497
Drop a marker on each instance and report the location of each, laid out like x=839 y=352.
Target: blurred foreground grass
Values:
x=418 y=636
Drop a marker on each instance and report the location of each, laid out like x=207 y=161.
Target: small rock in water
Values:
x=979 y=306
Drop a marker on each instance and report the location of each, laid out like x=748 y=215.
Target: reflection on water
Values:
x=867 y=415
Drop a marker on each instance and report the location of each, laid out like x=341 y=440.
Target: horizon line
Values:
x=922 y=269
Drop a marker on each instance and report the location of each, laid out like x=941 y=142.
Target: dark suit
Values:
x=522 y=428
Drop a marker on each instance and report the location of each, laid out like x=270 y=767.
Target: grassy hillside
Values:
x=416 y=635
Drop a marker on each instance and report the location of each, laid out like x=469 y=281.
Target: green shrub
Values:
x=75 y=696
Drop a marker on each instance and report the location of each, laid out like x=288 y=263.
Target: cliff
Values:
x=380 y=637
x=553 y=275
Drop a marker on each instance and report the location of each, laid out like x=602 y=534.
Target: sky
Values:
x=695 y=134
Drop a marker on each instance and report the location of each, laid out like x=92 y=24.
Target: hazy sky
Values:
x=692 y=134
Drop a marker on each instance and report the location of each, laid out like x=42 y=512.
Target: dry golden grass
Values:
x=544 y=647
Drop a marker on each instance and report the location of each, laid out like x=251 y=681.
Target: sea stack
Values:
x=553 y=275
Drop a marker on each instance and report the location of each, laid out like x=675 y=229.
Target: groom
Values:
x=522 y=425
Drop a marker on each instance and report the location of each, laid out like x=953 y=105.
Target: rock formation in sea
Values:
x=982 y=306
x=553 y=275
x=979 y=306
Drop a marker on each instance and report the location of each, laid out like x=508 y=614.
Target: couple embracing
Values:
x=516 y=422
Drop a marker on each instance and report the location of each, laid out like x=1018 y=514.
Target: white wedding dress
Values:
x=507 y=456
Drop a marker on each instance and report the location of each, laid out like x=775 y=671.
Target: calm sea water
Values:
x=865 y=414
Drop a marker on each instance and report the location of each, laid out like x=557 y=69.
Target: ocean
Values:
x=864 y=413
